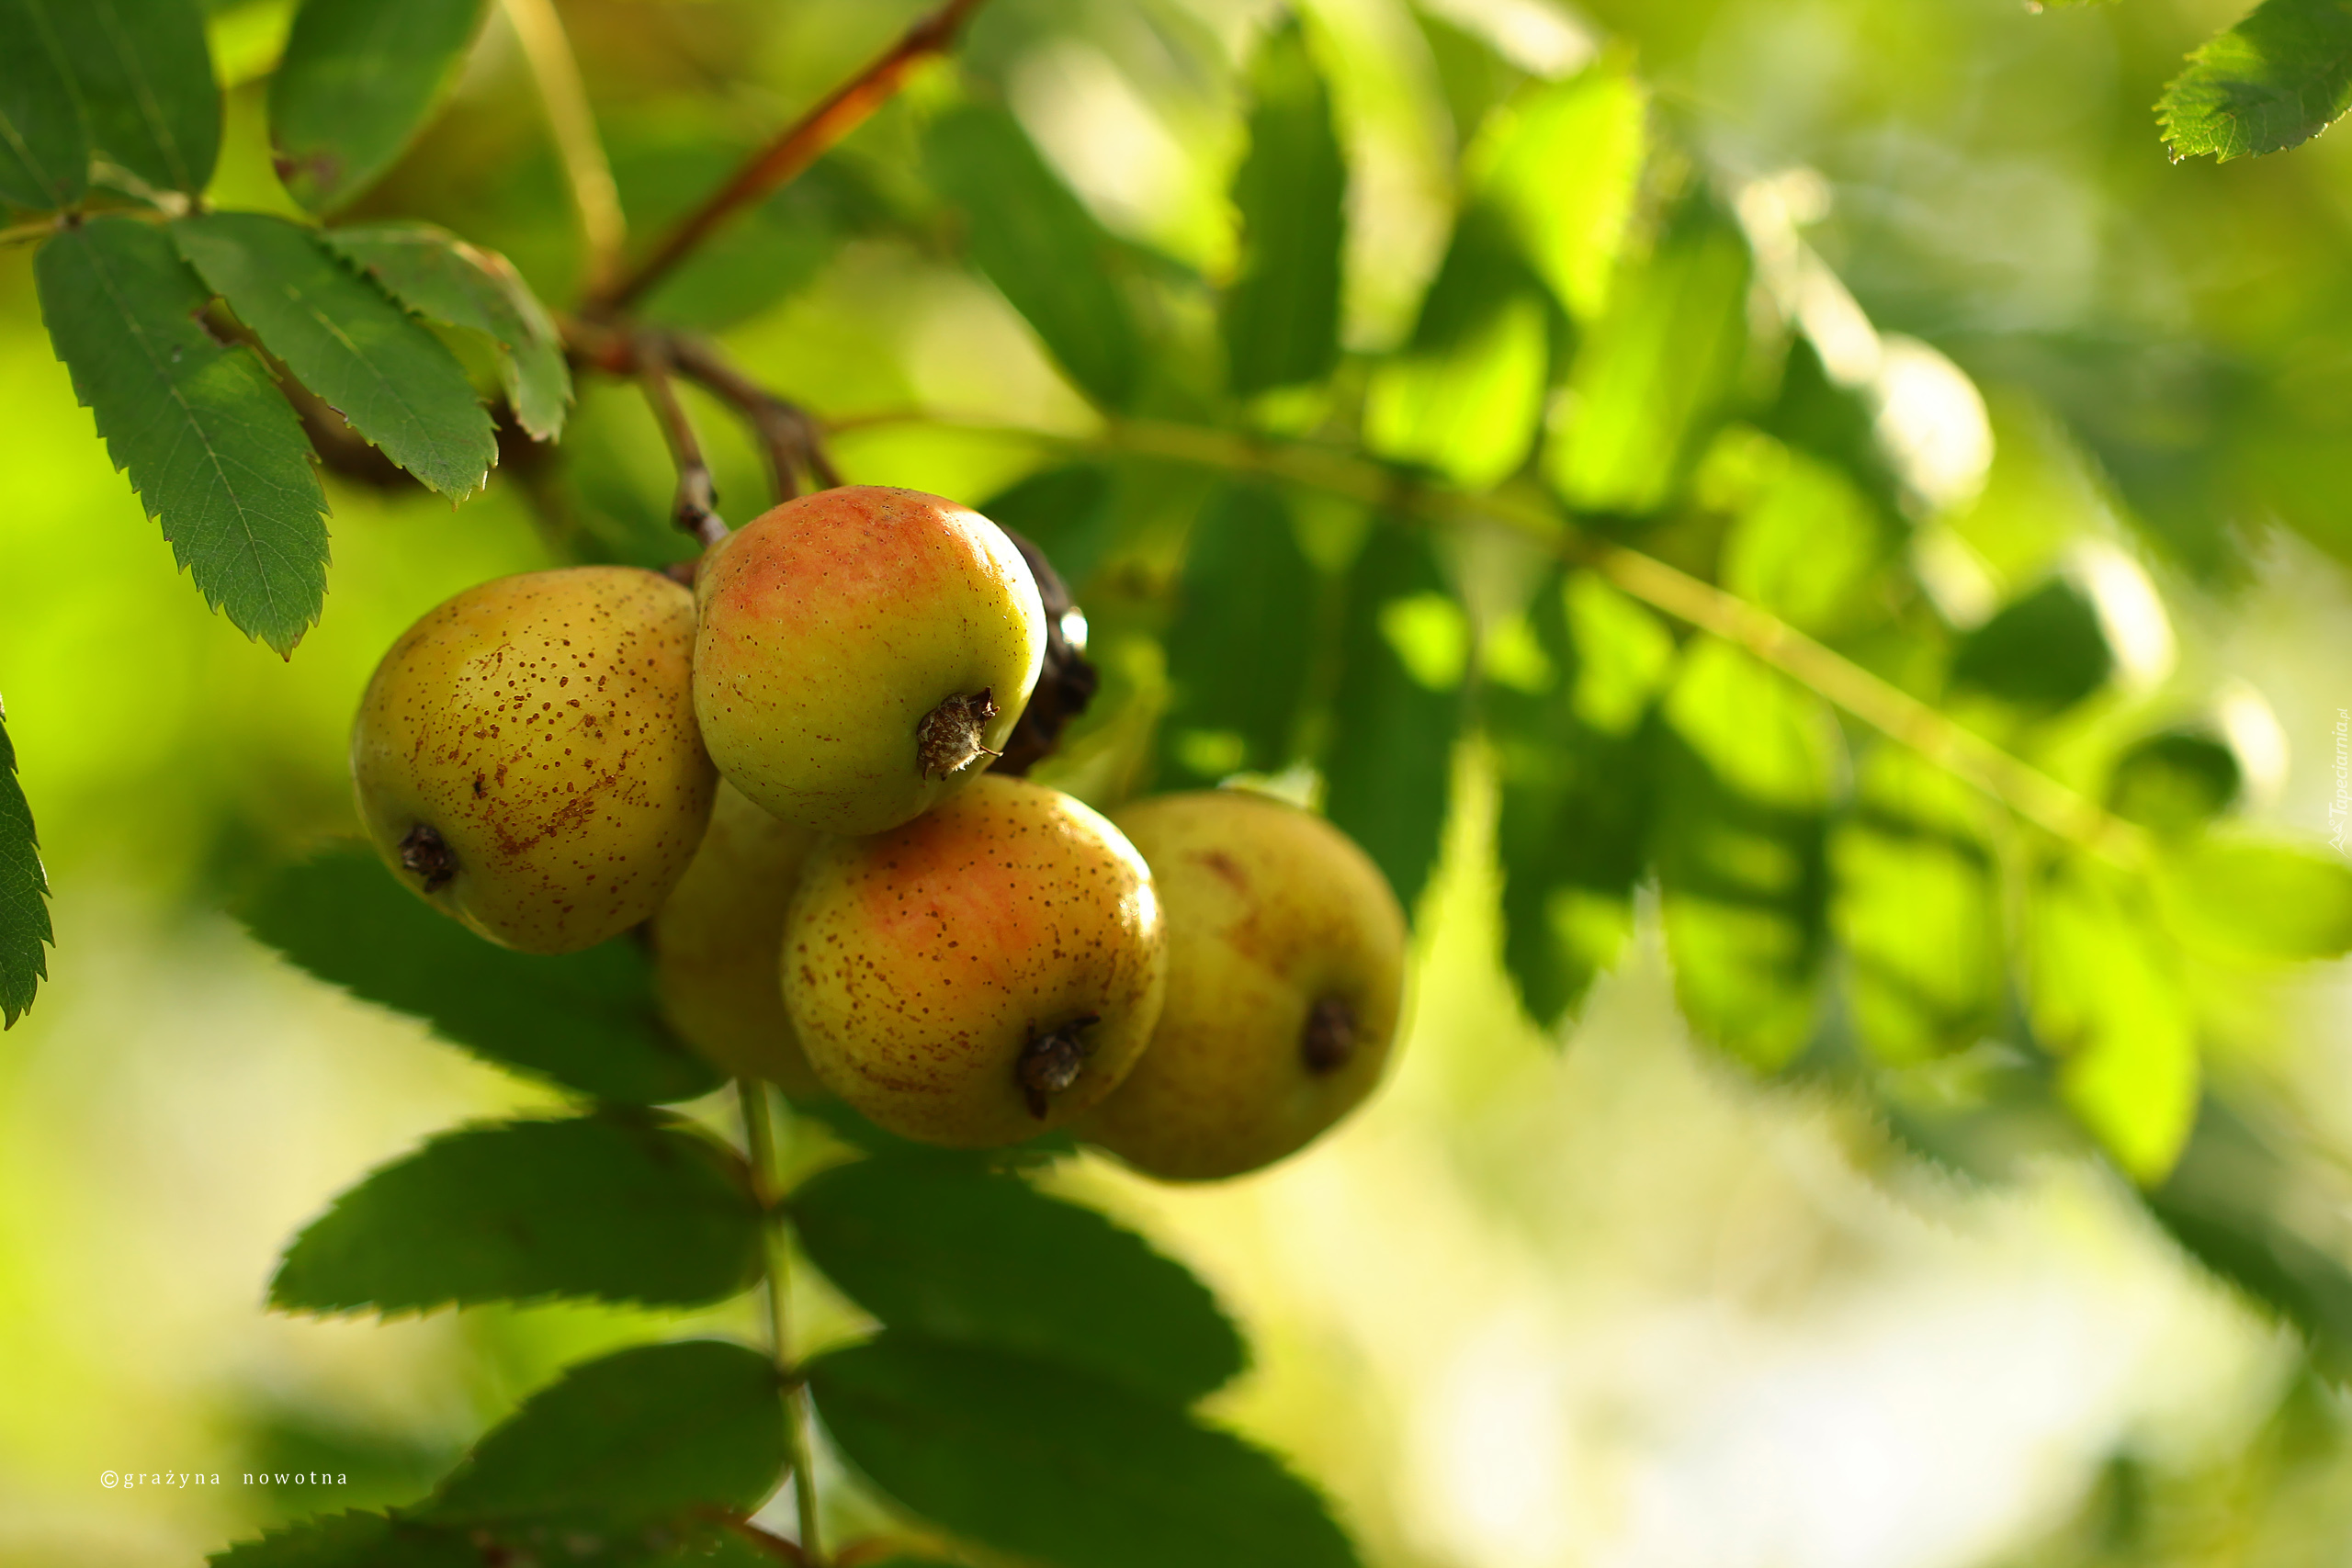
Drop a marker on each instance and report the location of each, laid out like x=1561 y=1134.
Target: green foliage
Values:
x=23 y=893
x=2249 y=899
x=1404 y=648
x=1064 y=511
x=1562 y=164
x=209 y=444
x=1241 y=649
x=1042 y=250
x=387 y=375
x=355 y=84
x=144 y=74
x=44 y=146
x=938 y=1248
x=2173 y=781
x=2277 y=78
x=377 y=1540
x=352 y=1541
x=587 y=1020
x=1282 y=309
x=1043 y=1461
x=2043 y=652
x=609 y=1207
x=442 y=278
x=1805 y=542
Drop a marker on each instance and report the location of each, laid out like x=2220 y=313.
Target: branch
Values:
x=792 y=438
x=1894 y=712
x=695 y=509
x=801 y=144
x=603 y=229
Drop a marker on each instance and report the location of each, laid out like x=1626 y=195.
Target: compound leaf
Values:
x=587 y=1020
x=144 y=69
x=1563 y=164
x=1047 y=1463
x=23 y=893
x=1242 y=646
x=1041 y=248
x=395 y=382
x=606 y=1207
x=44 y=146
x=442 y=278
x=630 y=1437
x=2280 y=76
x=1282 y=310
x=2247 y=899
x=356 y=81
x=211 y=446
x=942 y=1250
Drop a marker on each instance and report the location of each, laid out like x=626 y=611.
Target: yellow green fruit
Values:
x=716 y=942
x=981 y=973
x=527 y=759
x=1285 y=979
x=862 y=652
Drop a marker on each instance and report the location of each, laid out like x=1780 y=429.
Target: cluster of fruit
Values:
x=784 y=773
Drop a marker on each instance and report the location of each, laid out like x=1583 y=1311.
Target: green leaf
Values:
x=44 y=147
x=2103 y=992
x=1567 y=698
x=571 y=1540
x=352 y=1541
x=2043 y=652
x=634 y=1436
x=23 y=893
x=1656 y=369
x=2173 y=781
x=336 y=331
x=2246 y=898
x=606 y=1207
x=1917 y=910
x=1563 y=164
x=1282 y=310
x=1047 y=1463
x=951 y=1252
x=442 y=278
x=356 y=82
x=211 y=447
x=587 y=1020
x=1805 y=542
x=1066 y=512
x=1750 y=759
x=2279 y=77
x=1242 y=646
x=1041 y=248
x=144 y=70
x=1399 y=708
x=1466 y=395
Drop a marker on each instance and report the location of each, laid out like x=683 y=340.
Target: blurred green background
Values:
x=1611 y=1304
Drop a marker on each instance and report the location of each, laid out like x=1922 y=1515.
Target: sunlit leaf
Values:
x=952 y=1252
x=44 y=147
x=1656 y=369
x=606 y=1207
x=1750 y=759
x=1242 y=645
x=1282 y=309
x=1390 y=763
x=356 y=81
x=392 y=380
x=144 y=70
x=1043 y=1461
x=442 y=278
x=23 y=893
x=588 y=1020
x=633 y=1436
x=2280 y=76
x=2255 y=899
x=1805 y=542
x=1041 y=248
x=2173 y=781
x=1563 y=161
x=2043 y=652
x=210 y=443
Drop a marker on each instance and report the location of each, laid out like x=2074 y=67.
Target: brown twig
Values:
x=696 y=507
x=801 y=144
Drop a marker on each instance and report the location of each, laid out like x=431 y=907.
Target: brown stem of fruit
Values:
x=948 y=737
x=1066 y=682
x=1329 y=1037
x=427 y=854
x=793 y=442
x=1051 y=1062
x=801 y=144
x=695 y=509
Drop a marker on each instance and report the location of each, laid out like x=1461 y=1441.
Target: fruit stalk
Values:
x=759 y=1141
x=695 y=509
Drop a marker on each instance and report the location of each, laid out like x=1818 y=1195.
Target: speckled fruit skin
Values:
x=1271 y=910
x=832 y=624
x=716 y=942
x=542 y=726
x=919 y=964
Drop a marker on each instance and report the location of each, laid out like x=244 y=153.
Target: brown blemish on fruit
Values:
x=1329 y=1038
x=1051 y=1062
x=426 y=853
x=1227 y=869
x=948 y=737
